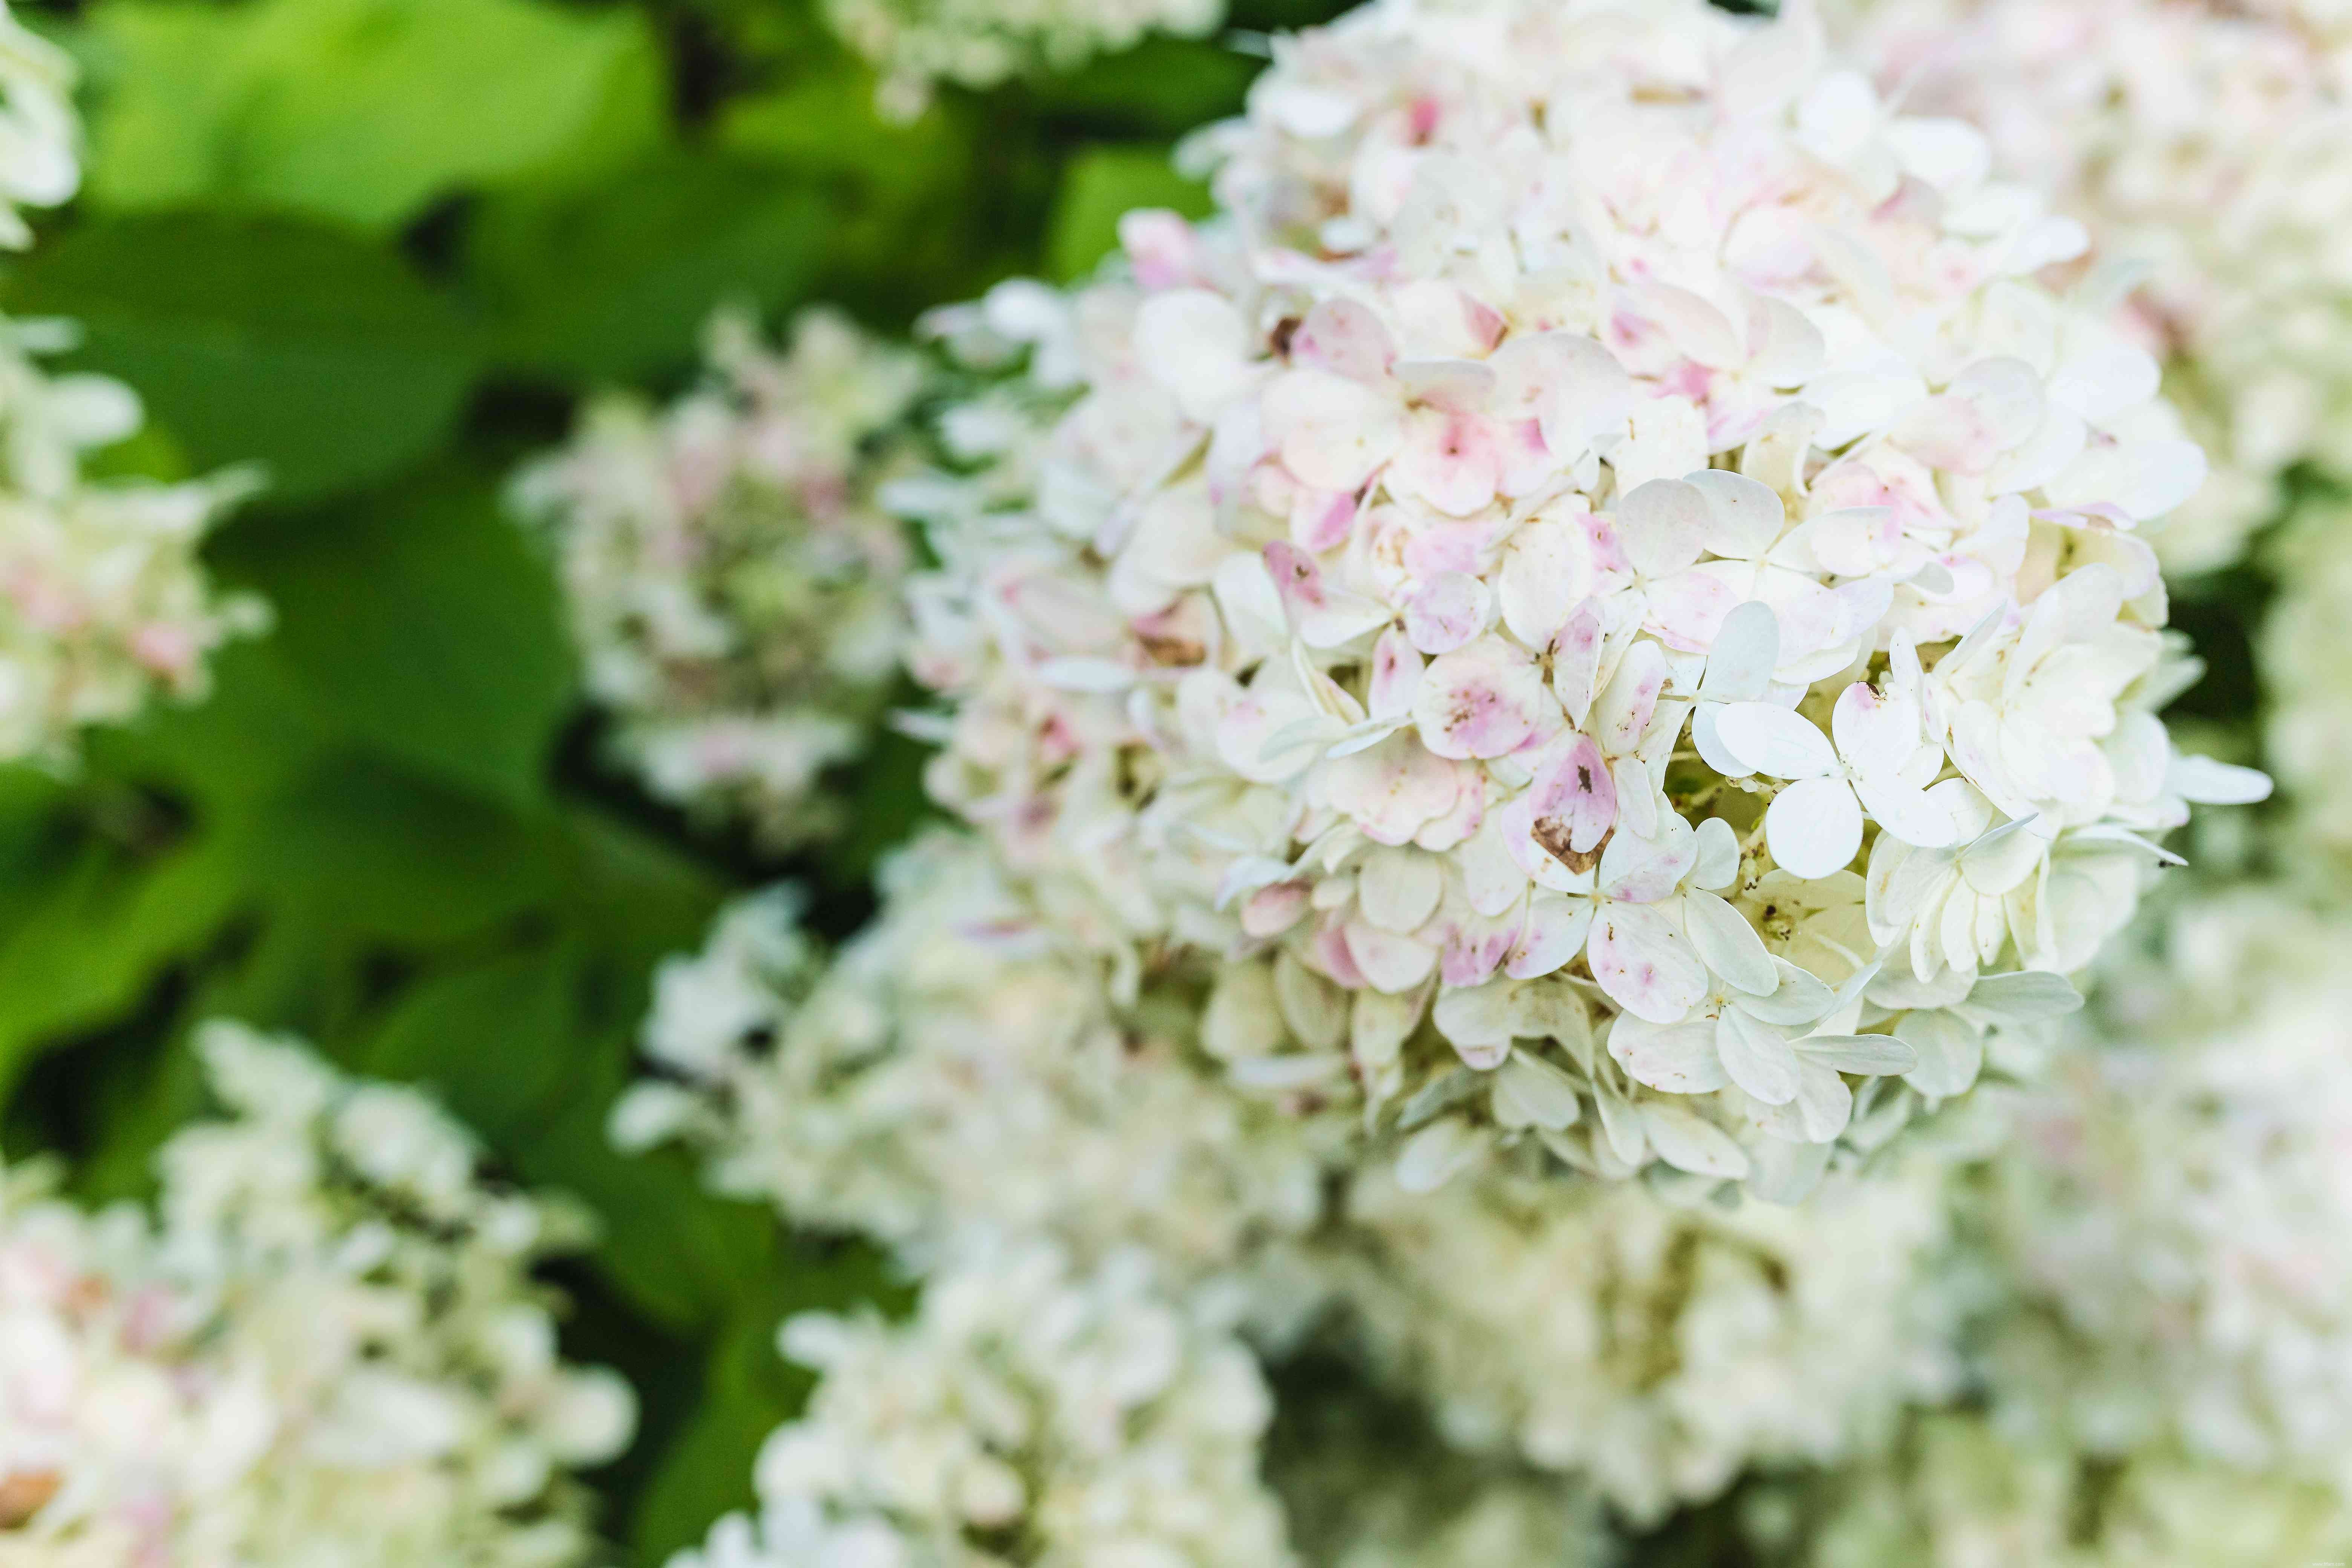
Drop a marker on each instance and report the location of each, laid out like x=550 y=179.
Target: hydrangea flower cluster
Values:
x=918 y=44
x=1031 y=1414
x=326 y=1349
x=2207 y=142
x=1656 y=1351
x=732 y=588
x=960 y=1065
x=40 y=159
x=1604 y=594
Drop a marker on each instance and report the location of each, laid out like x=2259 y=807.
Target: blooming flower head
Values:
x=1602 y=590
x=41 y=156
x=730 y=585
x=327 y=1347
x=958 y=1065
x=1030 y=1413
x=1656 y=1351
x=2209 y=143
x=918 y=44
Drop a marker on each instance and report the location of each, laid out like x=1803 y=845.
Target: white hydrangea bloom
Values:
x=40 y=154
x=958 y=1065
x=2209 y=141
x=2304 y=658
x=1655 y=1350
x=1031 y=1414
x=1606 y=573
x=1960 y=1494
x=918 y=44
x=731 y=587
x=327 y=1349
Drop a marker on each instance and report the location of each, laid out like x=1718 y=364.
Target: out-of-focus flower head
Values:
x=2209 y=142
x=1603 y=591
x=918 y=44
x=1032 y=1413
x=41 y=151
x=1656 y=1351
x=959 y=1065
x=326 y=1348
x=731 y=587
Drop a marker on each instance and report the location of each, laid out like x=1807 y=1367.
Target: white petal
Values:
x=1800 y=998
x=1194 y=343
x=1676 y=1058
x=1688 y=1141
x=1553 y=935
x=1815 y=828
x=1474 y=1015
x=1769 y=739
x=2025 y=997
x=1397 y=888
x=1437 y=1153
x=1746 y=651
x=1389 y=961
x=1662 y=527
x=1545 y=1094
x=1914 y=815
x=1744 y=518
x=1728 y=944
x=1823 y=1100
x=2208 y=783
x=1870 y=1054
x=1717 y=865
x=1757 y=1057
x=1951 y=1053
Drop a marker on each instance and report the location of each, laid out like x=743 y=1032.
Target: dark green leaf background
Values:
x=379 y=249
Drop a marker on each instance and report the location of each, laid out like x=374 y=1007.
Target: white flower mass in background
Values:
x=103 y=603
x=2207 y=144
x=732 y=589
x=324 y=1347
x=916 y=44
x=1599 y=595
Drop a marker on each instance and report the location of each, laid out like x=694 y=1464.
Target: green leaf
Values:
x=314 y=354
x=616 y=280
x=361 y=111
x=1163 y=87
x=1098 y=186
x=420 y=620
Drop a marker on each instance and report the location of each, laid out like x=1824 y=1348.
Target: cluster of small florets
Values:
x=959 y=1065
x=102 y=602
x=326 y=1348
x=2161 y=1265
x=2209 y=142
x=1604 y=594
x=918 y=44
x=732 y=589
x=1031 y=1414
x=1656 y=1351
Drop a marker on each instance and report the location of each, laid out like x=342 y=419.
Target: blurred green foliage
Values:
x=380 y=250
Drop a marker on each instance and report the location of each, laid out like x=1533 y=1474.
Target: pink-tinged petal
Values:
x=1815 y=828
x=1269 y=737
x=1576 y=661
x=1553 y=935
x=1756 y=1058
x=1662 y=526
x=1874 y=734
x=1528 y=465
x=1390 y=789
x=1320 y=520
x=1327 y=954
x=1622 y=716
x=1448 y=611
x=1517 y=824
x=1687 y=611
x=1645 y=965
x=1333 y=434
x=1270 y=911
x=1572 y=386
x=1388 y=961
x=1550 y=566
x=1453 y=461
x=1744 y=518
x=1454 y=825
x=1344 y=338
x=1674 y=1059
x=1486 y=699
x=1639 y=803
x=1643 y=871
x=1769 y=739
x=1322 y=614
x=1161 y=248
x=1573 y=802
x=1472 y=948
x=1450 y=385
x=1396 y=675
